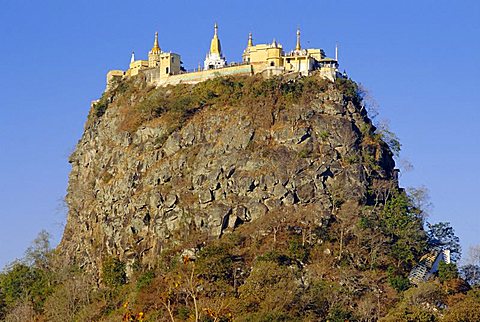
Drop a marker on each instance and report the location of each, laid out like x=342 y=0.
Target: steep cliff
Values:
x=155 y=166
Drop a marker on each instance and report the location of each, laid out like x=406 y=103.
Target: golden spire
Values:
x=156 y=48
x=250 y=40
x=298 y=47
x=215 y=47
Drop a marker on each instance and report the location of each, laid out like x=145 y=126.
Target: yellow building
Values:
x=170 y=64
x=263 y=56
x=135 y=66
x=167 y=63
x=163 y=68
x=271 y=57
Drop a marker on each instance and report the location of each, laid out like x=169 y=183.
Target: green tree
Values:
x=442 y=236
x=113 y=272
x=447 y=272
x=400 y=222
x=471 y=274
x=398 y=282
x=3 y=305
x=215 y=263
x=22 y=282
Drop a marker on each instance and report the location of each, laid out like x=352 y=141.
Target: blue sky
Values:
x=418 y=59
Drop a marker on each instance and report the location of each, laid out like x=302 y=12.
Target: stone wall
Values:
x=200 y=76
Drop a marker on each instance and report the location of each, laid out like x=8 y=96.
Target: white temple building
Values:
x=214 y=58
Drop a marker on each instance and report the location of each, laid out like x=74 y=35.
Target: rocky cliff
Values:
x=155 y=166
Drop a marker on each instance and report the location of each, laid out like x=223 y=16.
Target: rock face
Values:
x=135 y=194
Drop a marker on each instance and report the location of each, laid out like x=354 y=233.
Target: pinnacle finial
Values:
x=132 y=59
x=156 y=47
x=336 y=52
x=250 y=40
x=215 y=47
x=298 y=46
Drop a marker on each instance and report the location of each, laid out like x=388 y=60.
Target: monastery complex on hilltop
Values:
x=165 y=68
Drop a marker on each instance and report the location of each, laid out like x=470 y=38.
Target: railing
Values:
x=294 y=53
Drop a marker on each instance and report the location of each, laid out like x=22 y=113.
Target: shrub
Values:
x=305 y=153
x=324 y=135
x=465 y=310
x=350 y=89
x=215 y=263
x=270 y=287
x=113 y=272
x=67 y=299
x=273 y=256
x=183 y=313
x=145 y=279
x=447 y=272
x=339 y=314
x=100 y=106
x=268 y=317
x=399 y=283
x=297 y=250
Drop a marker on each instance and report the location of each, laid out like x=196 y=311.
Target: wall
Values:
x=196 y=77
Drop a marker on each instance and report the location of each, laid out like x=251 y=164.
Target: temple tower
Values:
x=250 y=40
x=154 y=54
x=298 y=47
x=246 y=52
x=214 y=58
x=132 y=58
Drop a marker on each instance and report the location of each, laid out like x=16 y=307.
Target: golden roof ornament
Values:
x=298 y=46
x=250 y=40
x=215 y=47
x=156 y=48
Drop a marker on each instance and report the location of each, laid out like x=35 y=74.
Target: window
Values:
x=272 y=63
x=166 y=70
x=173 y=59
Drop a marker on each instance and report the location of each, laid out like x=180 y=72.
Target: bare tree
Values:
x=421 y=201
x=23 y=311
x=38 y=253
x=68 y=299
x=474 y=255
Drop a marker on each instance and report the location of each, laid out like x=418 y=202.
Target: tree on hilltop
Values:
x=441 y=236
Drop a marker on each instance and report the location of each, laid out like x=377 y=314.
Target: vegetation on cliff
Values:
x=237 y=199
